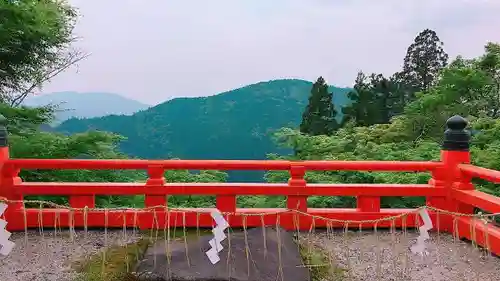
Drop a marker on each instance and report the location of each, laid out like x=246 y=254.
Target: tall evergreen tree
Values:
x=402 y=93
x=358 y=110
x=373 y=101
x=424 y=59
x=319 y=116
x=382 y=94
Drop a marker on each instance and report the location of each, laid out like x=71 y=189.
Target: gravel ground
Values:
x=382 y=257
x=48 y=258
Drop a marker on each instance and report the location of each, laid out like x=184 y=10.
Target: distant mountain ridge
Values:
x=86 y=105
x=237 y=124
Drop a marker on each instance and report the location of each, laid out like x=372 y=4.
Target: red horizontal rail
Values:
x=95 y=188
x=69 y=164
x=111 y=164
x=478 y=172
x=485 y=234
x=478 y=199
x=401 y=166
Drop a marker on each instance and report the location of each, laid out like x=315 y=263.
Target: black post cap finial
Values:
x=3 y=131
x=456 y=137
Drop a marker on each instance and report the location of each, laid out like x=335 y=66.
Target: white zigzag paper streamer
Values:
x=6 y=245
x=419 y=247
x=220 y=225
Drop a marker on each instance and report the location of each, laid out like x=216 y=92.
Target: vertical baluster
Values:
x=368 y=203
x=156 y=180
x=297 y=202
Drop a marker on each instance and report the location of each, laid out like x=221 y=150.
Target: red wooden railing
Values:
x=450 y=189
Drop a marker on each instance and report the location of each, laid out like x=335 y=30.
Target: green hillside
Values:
x=86 y=105
x=233 y=125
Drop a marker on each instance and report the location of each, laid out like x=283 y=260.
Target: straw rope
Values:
x=193 y=210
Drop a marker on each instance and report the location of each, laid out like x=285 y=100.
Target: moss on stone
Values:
x=114 y=267
x=320 y=268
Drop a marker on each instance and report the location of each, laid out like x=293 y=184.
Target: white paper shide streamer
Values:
x=6 y=245
x=419 y=247
x=220 y=225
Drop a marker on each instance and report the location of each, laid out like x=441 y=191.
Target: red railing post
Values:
x=226 y=203
x=9 y=178
x=455 y=151
x=150 y=218
x=368 y=203
x=438 y=181
x=82 y=201
x=155 y=180
x=297 y=202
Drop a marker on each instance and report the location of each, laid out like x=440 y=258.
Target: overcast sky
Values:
x=153 y=50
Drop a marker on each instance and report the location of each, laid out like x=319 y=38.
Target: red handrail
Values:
x=478 y=172
x=270 y=189
x=264 y=165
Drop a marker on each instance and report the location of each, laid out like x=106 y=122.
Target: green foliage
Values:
x=24 y=120
x=34 y=32
x=234 y=125
x=319 y=115
x=374 y=100
x=467 y=87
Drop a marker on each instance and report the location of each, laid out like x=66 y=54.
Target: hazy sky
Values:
x=153 y=50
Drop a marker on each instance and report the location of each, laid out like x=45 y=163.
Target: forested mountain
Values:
x=238 y=124
x=86 y=105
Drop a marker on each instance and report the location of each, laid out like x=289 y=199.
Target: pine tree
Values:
x=424 y=59
x=319 y=116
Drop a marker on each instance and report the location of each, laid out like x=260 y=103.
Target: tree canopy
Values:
x=319 y=116
x=36 y=42
x=424 y=60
